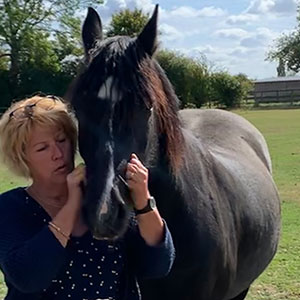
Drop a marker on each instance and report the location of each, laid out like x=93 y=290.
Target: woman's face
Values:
x=49 y=154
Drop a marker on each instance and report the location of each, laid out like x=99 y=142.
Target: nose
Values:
x=56 y=152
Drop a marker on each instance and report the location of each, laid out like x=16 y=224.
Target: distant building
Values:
x=277 y=90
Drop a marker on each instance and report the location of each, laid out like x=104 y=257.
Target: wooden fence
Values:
x=288 y=96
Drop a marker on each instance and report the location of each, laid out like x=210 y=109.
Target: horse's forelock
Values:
x=165 y=105
x=110 y=48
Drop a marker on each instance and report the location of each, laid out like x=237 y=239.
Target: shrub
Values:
x=226 y=91
x=189 y=77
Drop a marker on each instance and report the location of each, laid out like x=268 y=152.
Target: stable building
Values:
x=277 y=90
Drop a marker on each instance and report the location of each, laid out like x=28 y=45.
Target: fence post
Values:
x=256 y=101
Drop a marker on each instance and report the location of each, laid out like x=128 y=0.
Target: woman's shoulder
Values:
x=12 y=197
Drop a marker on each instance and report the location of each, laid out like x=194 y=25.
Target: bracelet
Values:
x=59 y=230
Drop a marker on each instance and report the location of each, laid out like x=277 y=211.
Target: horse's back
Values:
x=218 y=129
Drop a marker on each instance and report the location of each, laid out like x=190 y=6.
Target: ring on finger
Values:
x=130 y=175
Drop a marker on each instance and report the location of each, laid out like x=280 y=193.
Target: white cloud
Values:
x=189 y=12
x=260 y=6
x=251 y=42
x=145 y=5
x=211 y=12
x=241 y=52
x=170 y=33
x=231 y=33
x=199 y=51
x=272 y=6
x=110 y=7
x=265 y=33
x=260 y=38
x=242 y=19
x=285 y=6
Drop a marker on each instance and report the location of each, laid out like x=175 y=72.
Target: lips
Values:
x=60 y=168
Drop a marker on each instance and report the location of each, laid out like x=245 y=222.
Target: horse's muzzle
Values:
x=109 y=219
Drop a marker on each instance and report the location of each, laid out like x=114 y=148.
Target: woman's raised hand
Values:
x=137 y=179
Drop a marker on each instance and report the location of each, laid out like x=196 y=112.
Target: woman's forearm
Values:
x=151 y=227
x=63 y=223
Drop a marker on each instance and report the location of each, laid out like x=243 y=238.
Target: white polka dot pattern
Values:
x=90 y=271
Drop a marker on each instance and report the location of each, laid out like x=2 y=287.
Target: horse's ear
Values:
x=148 y=37
x=91 y=30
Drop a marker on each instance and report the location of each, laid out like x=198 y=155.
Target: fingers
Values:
x=133 y=155
x=132 y=173
x=136 y=171
x=134 y=160
x=77 y=175
x=137 y=179
x=132 y=168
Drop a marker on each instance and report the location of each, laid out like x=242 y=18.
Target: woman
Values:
x=46 y=250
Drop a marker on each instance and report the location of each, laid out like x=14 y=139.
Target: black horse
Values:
x=210 y=170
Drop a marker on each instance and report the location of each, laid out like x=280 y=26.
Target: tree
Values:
x=189 y=77
x=127 y=22
x=27 y=31
x=281 y=68
x=287 y=51
x=67 y=44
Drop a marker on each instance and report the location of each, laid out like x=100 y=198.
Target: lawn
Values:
x=281 y=128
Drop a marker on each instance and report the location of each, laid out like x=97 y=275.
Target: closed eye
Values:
x=41 y=149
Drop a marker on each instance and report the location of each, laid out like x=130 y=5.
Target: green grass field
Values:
x=281 y=128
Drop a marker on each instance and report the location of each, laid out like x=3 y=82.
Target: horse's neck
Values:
x=194 y=168
x=156 y=151
x=195 y=162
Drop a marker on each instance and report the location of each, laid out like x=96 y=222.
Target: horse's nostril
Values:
x=108 y=222
x=104 y=209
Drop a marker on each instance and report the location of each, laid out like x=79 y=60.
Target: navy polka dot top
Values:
x=93 y=269
x=37 y=267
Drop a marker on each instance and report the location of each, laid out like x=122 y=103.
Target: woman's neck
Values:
x=49 y=194
x=52 y=198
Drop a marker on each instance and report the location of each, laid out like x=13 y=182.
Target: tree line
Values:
x=40 y=50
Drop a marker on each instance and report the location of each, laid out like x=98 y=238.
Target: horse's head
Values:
x=113 y=100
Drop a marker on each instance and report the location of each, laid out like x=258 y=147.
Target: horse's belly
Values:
x=257 y=213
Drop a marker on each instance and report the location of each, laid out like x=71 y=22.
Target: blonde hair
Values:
x=18 y=121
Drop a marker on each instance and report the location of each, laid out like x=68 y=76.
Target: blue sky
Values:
x=233 y=35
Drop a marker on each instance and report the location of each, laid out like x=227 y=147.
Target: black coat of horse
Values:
x=210 y=170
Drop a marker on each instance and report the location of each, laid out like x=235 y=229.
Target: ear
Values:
x=148 y=37
x=91 y=30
